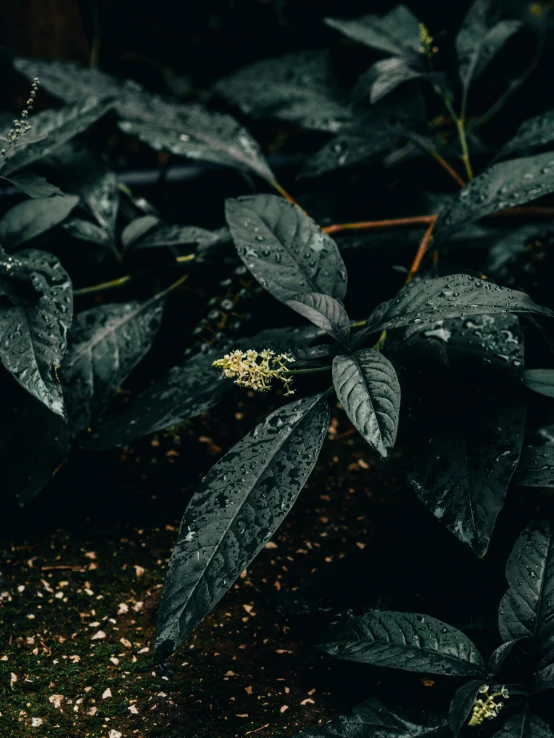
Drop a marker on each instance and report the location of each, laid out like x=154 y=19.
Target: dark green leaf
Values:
x=524 y=725
x=532 y=134
x=235 y=511
x=504 y=185
x=386 y=75
x=284 y=249
x=34 y=185
x=472 y=445
x=368 y=389
x=56 y=127
x=536 y=467
x=176 y=235
x=540 y=380
x=499 y=655
x=395 y=33
x=325 y=312
x=527 y=608
x=30 y=218
x=448 y=297
x=462 y=705
x=371 y=719
x=299 y=88
x=84 y=230
x=480 y=38
x=408 y=641
x=34 y=324
x=544 y=679
x=138 y=228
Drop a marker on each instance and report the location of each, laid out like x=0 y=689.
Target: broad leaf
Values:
x=55 y=127
x=479 y=39
x=544 y=679
x=368 y=389
x=386 y=75
x=536 y=467
x=526 y=610
x=189 y=390
x=462 y=705
x=371 y=719
x=235 y=511
x=31 y=218
x=524 y=725
x=33 y=185
x=447 y=297
x=169 y=236
x=35 y=321
x=540 y=380
x=534 y=133
x=472 y=444
x=325 y=312
x=504 y=185
x=299 y=88
x=284 y=249
x=84 y=230
x=395 y=33
x=499 y=655
x=406 y=641
x=138 y=228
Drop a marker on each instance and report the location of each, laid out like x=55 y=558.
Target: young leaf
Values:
x=479 y=39
x=462 y=704
x=284 y=249
x=536 y=467
x=33 y=185
x=35 y=322
x=368 y=389
x=504 y=185
x=534 y=133
x=98 y=187
x=386 y=75
x=524 y=725
x=395 y=33
x=408 y=641
x=105 y=345
x=235 y=511
x=499 y=655
x=526 y=610
x=299 y=88
x=371 y=719
x=56 y=127
x=544 y=679
x=325 y=312
x=84 y=230
x=540 y=380
x=169 y=236
x=138 y=228
x=193 y=132
x=30 y=218
x=447 y=297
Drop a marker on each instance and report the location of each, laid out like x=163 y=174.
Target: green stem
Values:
x=103 y=286
x=187 y=257
x=459 y=120
x=308 y=371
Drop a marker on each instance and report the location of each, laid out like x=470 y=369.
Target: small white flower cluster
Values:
x=256 y=369
x=486 y=709
x=22 y=126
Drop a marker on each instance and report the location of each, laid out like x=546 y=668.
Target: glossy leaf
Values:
x=84 y=230
x=524 y=725
x=395 y=33
x=527 y=608
x=371 y=719
x=540 y=380
x=33 y=185
x=284 y=249
x=56 y=128
x=235 y=511
x=386 y=75
x=299 y=88
x=448 y=297
x=34 y=323
x=462 y=705
x=98 y=187
x=405 y=641
x=325 y=312
x=534 y=133
x=499 y=655
x=544 y=679
x=501 y=186
x=368 y=389
x=138 y=228
x=536 y=467
x=479 y=39
x=31 y=218
x=472 y=444
x=171 y=236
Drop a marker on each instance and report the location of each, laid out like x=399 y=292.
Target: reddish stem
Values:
x=381 y=225
x=422 y=250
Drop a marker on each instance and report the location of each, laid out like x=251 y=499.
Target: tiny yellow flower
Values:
x=426 y=42
x=256 y=369
x=487 y=709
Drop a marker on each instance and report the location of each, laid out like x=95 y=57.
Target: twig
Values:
x=446 y=166
x=422 y=249
x=281 y=190
x=103 y=286
x=381 y=225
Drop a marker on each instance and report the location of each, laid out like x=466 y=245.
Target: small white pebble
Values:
x=56 y=700
x=98 y=636
x=115 y=734
x=36 y=722
x=133 y=710
x=92 y=711
x=106 y=694
x=122 y=608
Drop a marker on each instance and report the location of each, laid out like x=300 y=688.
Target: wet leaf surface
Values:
x=324 y=312
x=462 y=704
x=524 y=725
x=31 y=218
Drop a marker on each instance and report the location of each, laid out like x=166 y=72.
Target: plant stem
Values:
x=103 y=286
x=187 y=257
x=463 y=143
x=422 y=250
x=308 y=371
x=380 y=225
x=446 y=166
x=281 y=190
x=178 y=283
